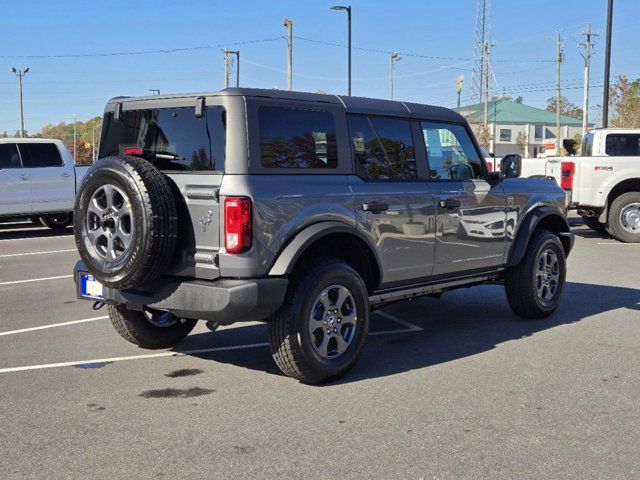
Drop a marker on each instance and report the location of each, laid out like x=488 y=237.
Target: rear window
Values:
x=622 y=145
x=297 y=138
x=9 y=157
x=40 y=155
x=172 y=138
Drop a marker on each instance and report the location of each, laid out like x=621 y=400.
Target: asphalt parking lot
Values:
x=450 y=388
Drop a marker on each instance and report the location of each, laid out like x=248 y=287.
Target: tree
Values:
x=624 y=98
x=84 y=137
x=483 y=134
x=566 y=107
x=522 y=140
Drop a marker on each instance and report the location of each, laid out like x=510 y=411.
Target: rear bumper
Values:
x=224 y=300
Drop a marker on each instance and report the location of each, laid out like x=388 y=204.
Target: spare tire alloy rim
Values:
x=160 y=318
x=547 y=276
x=332 y=322
x=630 y=218
x=110 y=223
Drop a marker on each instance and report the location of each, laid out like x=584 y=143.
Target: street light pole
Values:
x=392 y=61
x=20 y=74
x=289 y=26
x=348 y=10
x=75 y=135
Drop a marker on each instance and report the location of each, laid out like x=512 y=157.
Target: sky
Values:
x=82 y=53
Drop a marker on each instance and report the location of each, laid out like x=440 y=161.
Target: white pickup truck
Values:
x=38 y=179
x=604 y=182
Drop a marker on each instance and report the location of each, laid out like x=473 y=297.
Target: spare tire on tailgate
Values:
x=125 y=221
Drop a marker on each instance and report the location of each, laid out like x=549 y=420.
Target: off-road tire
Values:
x=57 y=221
x=595 y=225
x=520 y=281
x=288 y=330
x=616 y=229
x=134 y=327
x=153 y=207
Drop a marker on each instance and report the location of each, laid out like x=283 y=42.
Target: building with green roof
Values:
x=519 y=128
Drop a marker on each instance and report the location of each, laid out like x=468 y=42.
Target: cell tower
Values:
x=482 y=36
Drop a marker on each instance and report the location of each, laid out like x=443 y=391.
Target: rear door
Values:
x=471 y=213
x=52 y=182
x=394 y=205
x=15 y=187
x=190 y=150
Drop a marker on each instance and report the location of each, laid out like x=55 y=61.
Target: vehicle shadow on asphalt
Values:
x=580 y=229
x=10 y=231
x=460 y=324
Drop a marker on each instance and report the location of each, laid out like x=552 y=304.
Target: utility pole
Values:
x=392 y=61
x=459 y=84
x=559 y=59
x=587 y=63
x=227 y=67
x=20 y=74
x=75 y=134
x=289 y=26
x=93 y=142
x=485 y=81
x=607 y=67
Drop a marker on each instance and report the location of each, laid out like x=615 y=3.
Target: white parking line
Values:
x=53 y=325
x=41 y=237
x=409 y=327
x=32 y=280
x=616 y=243
x=9 y=255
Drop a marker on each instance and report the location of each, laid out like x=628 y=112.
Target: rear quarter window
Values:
x=297 y=138
x=40 y=155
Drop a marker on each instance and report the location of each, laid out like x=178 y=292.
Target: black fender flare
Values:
x=528 y=226
x=293 y=250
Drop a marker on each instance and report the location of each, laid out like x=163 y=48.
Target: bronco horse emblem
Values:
x=206 y=220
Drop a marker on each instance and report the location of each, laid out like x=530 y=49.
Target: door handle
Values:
x=24 y=177
x=450 y=203
x=66 y=174
x=375 y=207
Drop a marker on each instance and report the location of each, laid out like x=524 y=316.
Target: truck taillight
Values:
x=566 y=180
x=237 y=224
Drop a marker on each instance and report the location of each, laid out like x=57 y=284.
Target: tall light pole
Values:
x=392 y=61
x=289 y=26
x=20 y=74
x=348 y=10
x=559 y=60
x=607 y=67
x=587 y=64
x=75 y=136
x=227 y=67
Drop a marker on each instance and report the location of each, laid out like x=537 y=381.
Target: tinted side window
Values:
x=383 y=148
x=450 y=152
x=9 y=157
x=39 y=155
x=172 y=138
x=297 y=138
x=622 y=144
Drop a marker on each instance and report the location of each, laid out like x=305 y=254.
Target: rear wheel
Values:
x=319 y=332
x=624 y=218
x=58 y=221
x=534 y=287
x=149 y=328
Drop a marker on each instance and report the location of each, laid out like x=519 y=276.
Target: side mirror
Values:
x=511 y=166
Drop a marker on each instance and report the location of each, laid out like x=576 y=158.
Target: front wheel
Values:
x=534 y=287
x=319 y=332
x=58 y=221
x=149 y=328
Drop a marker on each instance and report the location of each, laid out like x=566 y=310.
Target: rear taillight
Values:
x=237 y=224
x=568 y=170
x=133 y=151
x=490 y=166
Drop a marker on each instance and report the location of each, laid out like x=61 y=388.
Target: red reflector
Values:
x=566 y=180
x=134 y=151
x=237 y=224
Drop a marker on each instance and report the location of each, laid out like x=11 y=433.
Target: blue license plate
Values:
x=90 y=287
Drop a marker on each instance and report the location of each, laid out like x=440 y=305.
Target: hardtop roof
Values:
x=363 y=105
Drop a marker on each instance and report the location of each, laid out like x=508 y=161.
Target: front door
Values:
x=471 y=212
x=15 y=197
x=394 y=205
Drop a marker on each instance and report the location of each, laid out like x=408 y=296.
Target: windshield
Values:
x=172 y=138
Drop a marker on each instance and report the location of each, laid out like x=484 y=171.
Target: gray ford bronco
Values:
x=305 y=211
